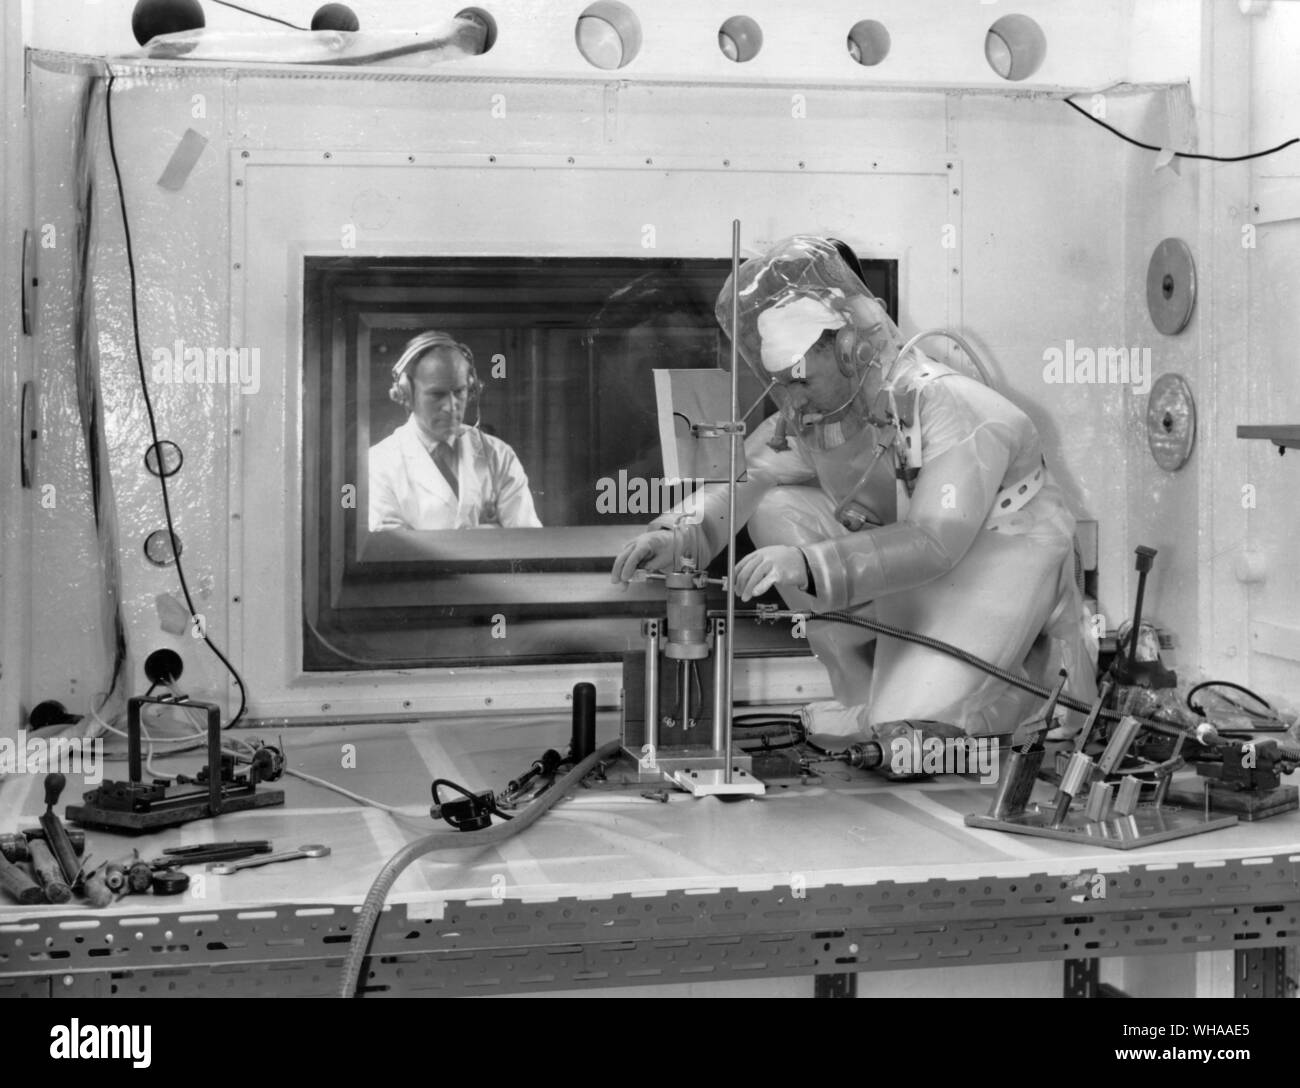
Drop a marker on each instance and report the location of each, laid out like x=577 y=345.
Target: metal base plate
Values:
x=709 y=782
x=697 y=769
x=1245 y=805
x=1147 y=825
x=108 y=819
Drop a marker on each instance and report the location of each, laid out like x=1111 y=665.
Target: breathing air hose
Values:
x=970 y=659
x=373 y=906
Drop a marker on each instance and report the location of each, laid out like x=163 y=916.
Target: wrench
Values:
x=224 y=868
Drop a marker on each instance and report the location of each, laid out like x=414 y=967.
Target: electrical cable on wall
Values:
x=148 y=405
x=89 y=400
x=259 y=15
x=1180 y=154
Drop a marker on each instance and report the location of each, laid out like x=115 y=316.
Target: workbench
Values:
x=845 y=873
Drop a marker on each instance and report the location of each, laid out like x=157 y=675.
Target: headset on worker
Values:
x=419 y=346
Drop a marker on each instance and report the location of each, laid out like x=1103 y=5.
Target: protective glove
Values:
x=649 y=551
x=778 y=565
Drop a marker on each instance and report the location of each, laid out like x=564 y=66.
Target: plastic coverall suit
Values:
x=1000 y=584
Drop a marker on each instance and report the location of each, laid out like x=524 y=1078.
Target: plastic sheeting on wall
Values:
x=457 y=38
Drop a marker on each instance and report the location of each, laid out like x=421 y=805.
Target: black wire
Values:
x=1235 y=687
x=451 y=786
x=148 y=401
x=1064 y=700
x=475 y=801
x=1179 y=154
x=758 y=719
x=258 y=14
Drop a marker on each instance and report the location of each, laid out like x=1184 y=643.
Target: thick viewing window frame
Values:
x=408 y=599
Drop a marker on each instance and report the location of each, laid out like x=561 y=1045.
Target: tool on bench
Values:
x=93 y=888
x=225 y=868
x=170 y=882
x=14 y=847
x=1079 y=770
x=56 y=834
x=1125 y=668
x=137 y=806
x=1118 y=820
x=17 y=848
x=547 y=765
x=18 y=884
x=48 y=872
x=131 y=874
x=201 y=853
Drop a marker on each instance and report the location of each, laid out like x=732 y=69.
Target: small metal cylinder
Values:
x=1077 y=772
x=1099 y=801
x=1075 y=777
x=1126 y=801
x=867 y=756
x=1118 y=745
x=1016 y=784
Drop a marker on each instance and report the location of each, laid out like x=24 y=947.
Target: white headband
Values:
x=786 y=332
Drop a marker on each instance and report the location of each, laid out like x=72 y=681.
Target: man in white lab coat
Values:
x=892 y=486
x=434 y=472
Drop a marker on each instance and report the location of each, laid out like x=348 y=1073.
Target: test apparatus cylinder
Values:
x=687 y=619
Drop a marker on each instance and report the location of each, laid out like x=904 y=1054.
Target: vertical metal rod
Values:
x=134 y=764
x=721 y=680
x=731 y=492
x=684 y=695
x=652 y=684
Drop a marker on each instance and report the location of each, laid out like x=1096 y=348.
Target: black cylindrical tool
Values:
x=583 y=742
x=1124 y=667
x=170 y=882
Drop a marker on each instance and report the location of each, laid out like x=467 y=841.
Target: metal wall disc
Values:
x=1171 y=422
x=1171 y=286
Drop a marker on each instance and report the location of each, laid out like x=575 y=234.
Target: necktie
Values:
x=445 y=458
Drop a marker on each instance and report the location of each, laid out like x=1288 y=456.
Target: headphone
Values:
x=419 y=346
x=852 y=351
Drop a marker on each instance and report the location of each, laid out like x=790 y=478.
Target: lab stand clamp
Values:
x=676 y=725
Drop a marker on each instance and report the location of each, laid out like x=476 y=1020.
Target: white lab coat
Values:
x=408 y=491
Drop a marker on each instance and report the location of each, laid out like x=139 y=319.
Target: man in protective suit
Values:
x=894 y=487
